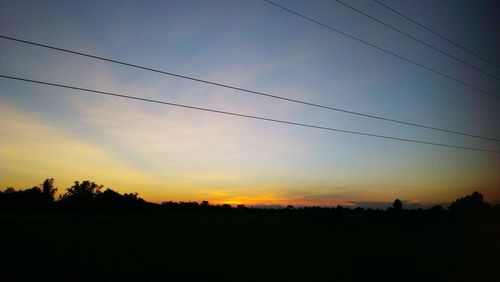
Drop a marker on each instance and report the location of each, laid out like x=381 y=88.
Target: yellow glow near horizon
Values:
x=33 y=149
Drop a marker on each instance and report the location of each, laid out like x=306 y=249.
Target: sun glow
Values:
x=232 y=203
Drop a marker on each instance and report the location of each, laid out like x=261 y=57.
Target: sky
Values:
x=166 y=153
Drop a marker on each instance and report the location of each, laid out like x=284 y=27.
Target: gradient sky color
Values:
x=166 y=153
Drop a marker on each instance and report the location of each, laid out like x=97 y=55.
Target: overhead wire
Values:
x=479 y=90
x=248 y=90
x=418 y=40
x=87 y=90
x=438 y=34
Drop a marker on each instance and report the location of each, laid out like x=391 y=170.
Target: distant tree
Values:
x=132 y=196
x=108 y=198
x=9 y=190
x=81 y=195
x=48 y=189
x=86 y=189
x=470 y=204
x=113 y=201
x=397 y=205
x=110 y=193
x=23 y=200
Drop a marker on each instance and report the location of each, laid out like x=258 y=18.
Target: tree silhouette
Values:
x=48 y=189
x=397 y=205
x=80 y=196
x=473 y=204
x=84 y=190
x=9 y=190
x=27 y=200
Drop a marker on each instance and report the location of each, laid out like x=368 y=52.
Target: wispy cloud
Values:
x=32 y=150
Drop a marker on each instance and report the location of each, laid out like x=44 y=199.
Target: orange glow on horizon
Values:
x=249 y=202
x=232 y=203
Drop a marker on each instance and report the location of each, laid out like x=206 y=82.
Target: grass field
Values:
x=244 y=247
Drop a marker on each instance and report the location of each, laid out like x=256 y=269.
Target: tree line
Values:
x=87 y=196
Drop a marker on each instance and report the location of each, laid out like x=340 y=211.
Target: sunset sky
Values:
x=167 y=153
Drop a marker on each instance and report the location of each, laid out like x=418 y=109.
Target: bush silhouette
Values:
x=470 y=205
x=31 y=199
x=397 y=205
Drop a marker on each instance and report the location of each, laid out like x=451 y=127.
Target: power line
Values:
x=438 y=34
x=419 y=40
x=385 y=50
x=244 y=115
x=251 y=91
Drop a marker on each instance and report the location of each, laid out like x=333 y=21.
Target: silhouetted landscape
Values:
x=274 y=140
x=95 y=234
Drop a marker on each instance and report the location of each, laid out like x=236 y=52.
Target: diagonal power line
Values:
x=479 y=90
x=418 y=40
x=251 y=91
x=86 y=90
x=438 y=34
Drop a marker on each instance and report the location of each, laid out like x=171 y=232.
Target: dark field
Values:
x=244 y=247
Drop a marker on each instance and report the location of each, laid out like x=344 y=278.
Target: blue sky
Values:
x=167 y=153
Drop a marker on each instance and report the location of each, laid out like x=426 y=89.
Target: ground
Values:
x=244 y=247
